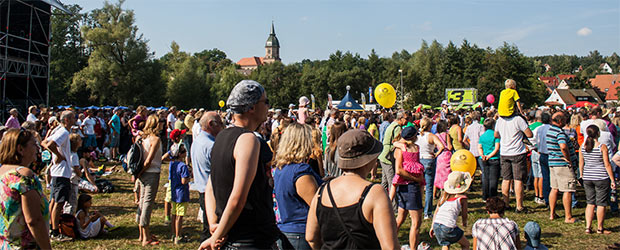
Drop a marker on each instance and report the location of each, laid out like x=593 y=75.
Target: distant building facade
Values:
x=272 y=54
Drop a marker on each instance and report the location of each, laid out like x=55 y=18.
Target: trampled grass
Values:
x=120 y=209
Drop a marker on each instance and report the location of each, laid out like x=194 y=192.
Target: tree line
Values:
x=100 y=58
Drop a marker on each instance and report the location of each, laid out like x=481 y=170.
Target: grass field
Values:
x=120 y=209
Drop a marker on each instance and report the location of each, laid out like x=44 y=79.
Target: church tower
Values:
x=272 y=47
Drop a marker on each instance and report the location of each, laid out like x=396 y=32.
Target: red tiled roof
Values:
x=550 y=82
x=566 y=77
x=250 y=61
x=607 y=83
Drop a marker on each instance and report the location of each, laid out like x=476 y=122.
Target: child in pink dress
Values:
x=411 y=163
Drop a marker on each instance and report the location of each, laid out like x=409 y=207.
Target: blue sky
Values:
x=315 y=29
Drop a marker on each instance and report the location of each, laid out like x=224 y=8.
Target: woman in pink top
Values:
x=443 y=160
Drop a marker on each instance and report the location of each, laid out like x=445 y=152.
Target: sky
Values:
x=315 y=29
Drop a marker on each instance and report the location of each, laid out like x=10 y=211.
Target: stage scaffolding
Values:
x=25 y=53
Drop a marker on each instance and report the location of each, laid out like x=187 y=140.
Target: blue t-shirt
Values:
x=292 y=208
x=488 y=140
x=180 y=192
x=116 y=124
x=555 y=137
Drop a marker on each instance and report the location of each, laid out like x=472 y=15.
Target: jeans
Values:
x=298 y=240
x=205 y=233
x=544 y=167
x=429 y=177
x=491 y=171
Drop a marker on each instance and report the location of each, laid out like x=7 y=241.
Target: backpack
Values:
x=69 y=226
x=104 y=186
x=134 y=158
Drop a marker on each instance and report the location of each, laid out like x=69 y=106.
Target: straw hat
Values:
x=458 y=182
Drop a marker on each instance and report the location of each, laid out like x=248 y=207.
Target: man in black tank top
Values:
x=238 y=196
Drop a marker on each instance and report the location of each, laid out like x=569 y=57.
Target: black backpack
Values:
x=134 y=158
x=104 y=186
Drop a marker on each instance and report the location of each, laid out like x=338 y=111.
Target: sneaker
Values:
x=60 y=238
x=427 y=217
x=539 y=201
x=522 y=211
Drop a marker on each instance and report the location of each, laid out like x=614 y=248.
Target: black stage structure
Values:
x=25 y=52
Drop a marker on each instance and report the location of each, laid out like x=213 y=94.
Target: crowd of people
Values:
x=305 y=179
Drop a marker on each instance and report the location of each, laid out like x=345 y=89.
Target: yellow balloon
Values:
x=385 y=95
x=464 y=161
x=221 y=103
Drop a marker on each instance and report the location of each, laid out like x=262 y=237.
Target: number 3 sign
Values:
x=461 y=96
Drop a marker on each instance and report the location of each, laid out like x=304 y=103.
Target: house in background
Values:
x=551 y=82
x=605 y=68
x=607 y=84
x=567 y=97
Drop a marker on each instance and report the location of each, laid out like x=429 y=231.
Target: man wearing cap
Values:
x=13 y=121
x=115 y=132
x=387 y=167
x=210 y=124
x=239 y=201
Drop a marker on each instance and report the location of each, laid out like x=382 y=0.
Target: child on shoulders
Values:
x=453 y=203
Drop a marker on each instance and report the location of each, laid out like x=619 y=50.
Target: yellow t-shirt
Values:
x=507 y=101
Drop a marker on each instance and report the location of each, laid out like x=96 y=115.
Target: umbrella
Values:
x=92 y=107
x=162 y=108
x=581 y=104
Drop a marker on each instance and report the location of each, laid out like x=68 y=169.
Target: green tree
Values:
x=67 y=55
x=121 y=69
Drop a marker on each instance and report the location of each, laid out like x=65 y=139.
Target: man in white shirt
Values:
x=473 y=133
x=595 y=118
x=540 y=142
x=513 y=154
x=58 y=144
x=88 y=128
x=32 y=114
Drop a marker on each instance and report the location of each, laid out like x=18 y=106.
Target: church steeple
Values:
x=272 y=47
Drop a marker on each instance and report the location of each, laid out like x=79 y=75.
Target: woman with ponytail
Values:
x=598 y=178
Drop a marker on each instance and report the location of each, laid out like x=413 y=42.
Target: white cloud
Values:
x=303 y=19
x=585 y=31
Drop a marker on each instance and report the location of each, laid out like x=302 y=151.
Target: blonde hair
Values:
x=8 y=147
x=575 y=121
x=509 y=83
x=151 y=126
x=75 y=141
x=295 y=145
x=426 y=124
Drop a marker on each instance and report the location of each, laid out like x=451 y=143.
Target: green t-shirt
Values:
x=390 y=133
x=488 y=140
x=535 y=125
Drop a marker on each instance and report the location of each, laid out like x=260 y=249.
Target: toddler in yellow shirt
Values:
x=508 y=99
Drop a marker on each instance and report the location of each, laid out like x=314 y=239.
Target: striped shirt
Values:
x=593 y=167
x=500 y=233
x=555 y=137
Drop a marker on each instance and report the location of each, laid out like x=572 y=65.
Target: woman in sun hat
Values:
x=453 y=203
x=350 y=212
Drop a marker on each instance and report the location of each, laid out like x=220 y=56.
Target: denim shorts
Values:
x=536 y=171
x=409 y=196
x=447 y=235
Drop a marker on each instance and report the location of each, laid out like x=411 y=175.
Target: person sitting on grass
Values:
x=496 y=232
x=90 y=223
x=453 y=203
x=179 y=176
x=86 y=162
